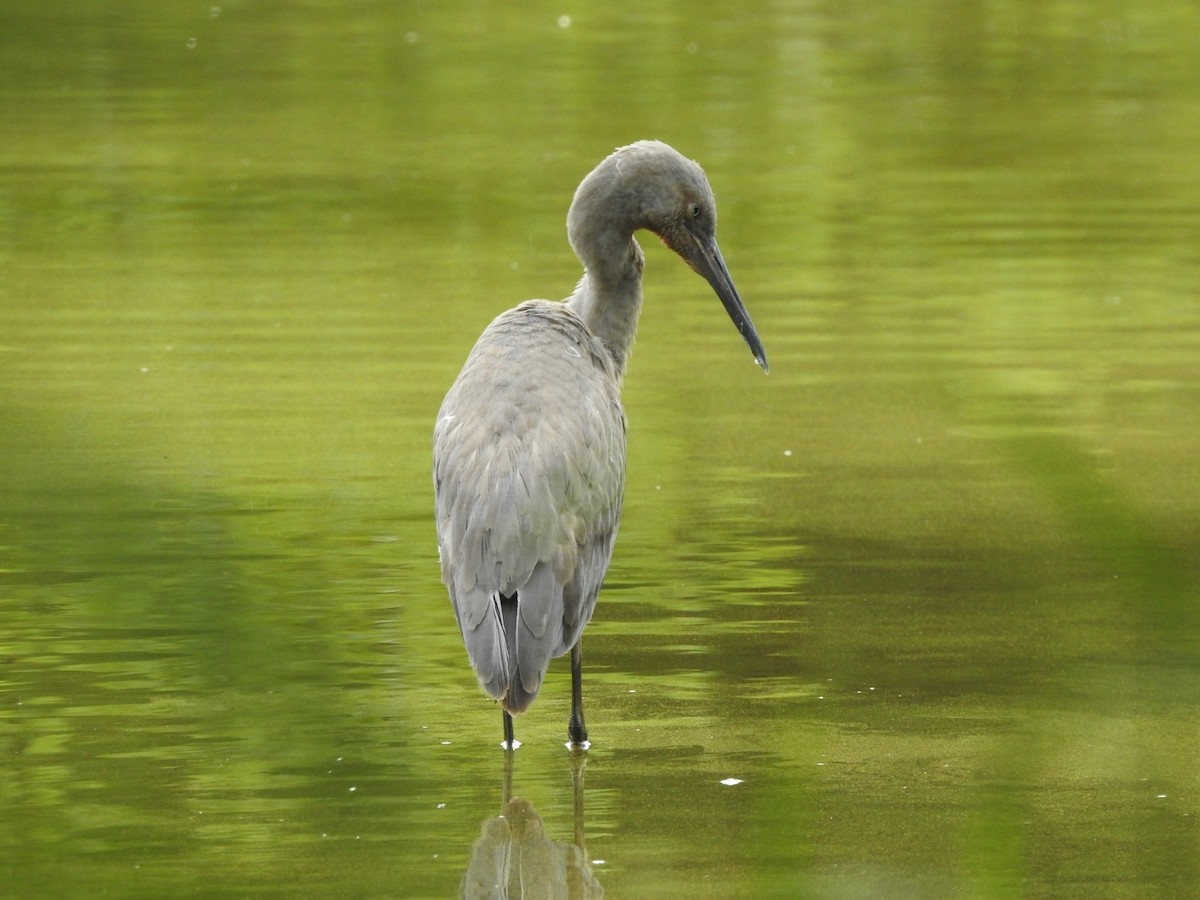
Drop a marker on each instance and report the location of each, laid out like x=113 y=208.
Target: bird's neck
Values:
x=609 y=298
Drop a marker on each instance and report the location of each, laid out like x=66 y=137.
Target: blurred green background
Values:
x=930 y=592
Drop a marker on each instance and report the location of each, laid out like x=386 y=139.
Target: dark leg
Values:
x=576 y=730
x=509 y=743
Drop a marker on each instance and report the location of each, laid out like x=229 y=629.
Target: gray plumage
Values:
x=528 y=502
x=529 y=443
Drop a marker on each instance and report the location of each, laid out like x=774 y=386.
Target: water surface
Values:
x=913 y=616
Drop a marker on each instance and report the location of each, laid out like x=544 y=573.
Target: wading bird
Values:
x=529 y=443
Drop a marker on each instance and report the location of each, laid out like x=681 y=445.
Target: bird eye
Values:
x=694 y=210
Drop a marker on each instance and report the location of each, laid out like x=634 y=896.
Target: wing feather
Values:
x=529 y=450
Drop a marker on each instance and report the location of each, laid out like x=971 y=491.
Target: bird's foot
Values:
x=577 y=733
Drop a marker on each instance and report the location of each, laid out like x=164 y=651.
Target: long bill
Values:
x=708 y=262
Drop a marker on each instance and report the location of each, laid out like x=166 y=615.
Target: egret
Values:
x=529 y=443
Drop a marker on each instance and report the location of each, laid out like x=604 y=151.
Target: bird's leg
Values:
x=509 y=742
x=576 y=730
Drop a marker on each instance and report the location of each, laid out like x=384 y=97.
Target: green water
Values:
x=930 y=591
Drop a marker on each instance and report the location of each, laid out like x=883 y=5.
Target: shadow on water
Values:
x=1153 y=591
x=1152 y=581
x=514 y=857
x=1048 y=681
x=175 y=682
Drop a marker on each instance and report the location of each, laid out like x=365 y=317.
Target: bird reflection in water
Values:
x=515 y=858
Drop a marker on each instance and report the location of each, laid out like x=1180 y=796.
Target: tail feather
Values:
x=515 y=638
x=538 y=636
x=487 y=644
